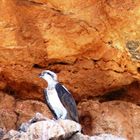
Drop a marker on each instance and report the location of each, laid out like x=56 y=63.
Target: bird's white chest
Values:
x=56 y=104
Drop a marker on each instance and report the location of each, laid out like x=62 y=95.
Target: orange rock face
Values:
x=92 y=45
x=14 y=112
x=8 y=117
x=115 y=117
x=95 y=45
x=26 y=110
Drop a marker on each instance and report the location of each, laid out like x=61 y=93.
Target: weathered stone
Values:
x=42 y=128
x=115 y=117
x=8 y=117
x=92 y=45
x=27 y=109
x=6 y=101
x=46 y=129
x=90 y=56
x=80 y=136
x=2 y=132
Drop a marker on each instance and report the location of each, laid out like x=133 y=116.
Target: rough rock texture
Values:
x=8 y=117
x=13 y=113
x=79 y=136
x=42 y=128
x=115 y=117
x=93 y=46
x=27 y=109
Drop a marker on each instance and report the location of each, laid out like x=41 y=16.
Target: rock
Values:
x=90 y=56
x=93 y=46
x=42 y=128
x=114 y=117
x=2 y=132
x=6 y=101
x=10 y=135
x=27 y=109
x=132 y=93
x=80 y=136
x=8 y=117
x=107 y=137
x=37 y=117
x=46 y=129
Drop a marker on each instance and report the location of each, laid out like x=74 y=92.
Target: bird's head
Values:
x=48 y=75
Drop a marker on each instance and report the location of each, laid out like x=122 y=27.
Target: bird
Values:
x=59 y=100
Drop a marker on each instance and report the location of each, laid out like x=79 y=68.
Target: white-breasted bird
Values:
x=58 y=98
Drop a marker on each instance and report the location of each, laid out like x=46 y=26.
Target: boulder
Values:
x=42 y=128
x=115 y=117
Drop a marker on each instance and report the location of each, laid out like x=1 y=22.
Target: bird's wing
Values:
x=48 y=103
x=68 y=101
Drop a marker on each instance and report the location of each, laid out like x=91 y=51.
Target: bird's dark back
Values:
x=68 y=101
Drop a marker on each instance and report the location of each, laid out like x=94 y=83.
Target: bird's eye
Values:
x=50 y=74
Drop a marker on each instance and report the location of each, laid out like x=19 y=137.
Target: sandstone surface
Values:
x=115 y=117
x=42 y=128
x=8 y=117
x=15 y=112
x=92 y=45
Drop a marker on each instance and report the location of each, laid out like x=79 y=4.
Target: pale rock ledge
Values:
x=42 y=128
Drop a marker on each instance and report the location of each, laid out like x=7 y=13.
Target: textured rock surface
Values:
x=13 y=113
x=42 y=128
x=8 y=117
x=79 y=136
x=93 y=46
x=115 y=117
x=87 y=44
x=27 y=109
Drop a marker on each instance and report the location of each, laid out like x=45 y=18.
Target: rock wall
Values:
x=93 y=46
